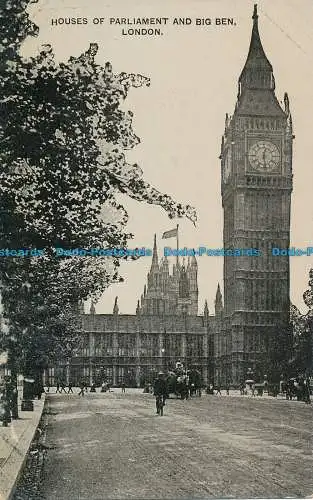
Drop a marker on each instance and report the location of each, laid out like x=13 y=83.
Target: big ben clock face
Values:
x=264 y=156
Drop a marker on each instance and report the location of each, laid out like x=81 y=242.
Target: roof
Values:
x=259 y=102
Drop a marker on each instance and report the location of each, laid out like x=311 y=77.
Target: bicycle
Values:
x=159 y=401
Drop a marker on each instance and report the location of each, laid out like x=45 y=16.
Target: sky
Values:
x=180 y=118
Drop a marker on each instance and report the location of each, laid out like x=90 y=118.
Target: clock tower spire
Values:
x=256 y=167
x=257 y=72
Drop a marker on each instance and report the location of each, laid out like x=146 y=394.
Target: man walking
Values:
x=160 y=389
x=82 y=389
x=307 y=391
x=62 y=387
x=218 y=390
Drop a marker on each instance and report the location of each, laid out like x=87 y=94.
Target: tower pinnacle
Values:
x=155 y=260
x=115 y=308
x=255 y=13
x=92 y=308
x=218 y=301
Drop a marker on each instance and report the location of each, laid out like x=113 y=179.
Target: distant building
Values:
x=166 y=293
x=166 y=328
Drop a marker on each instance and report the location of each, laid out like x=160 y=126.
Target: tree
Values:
x=304 y=333
x=302 y=324
x=278 y=342
x=63 y=139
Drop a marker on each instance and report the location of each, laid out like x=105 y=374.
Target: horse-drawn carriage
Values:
x=178 y=385
x=298 y=388
x=183 y=383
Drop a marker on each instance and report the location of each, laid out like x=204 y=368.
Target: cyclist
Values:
x=160 y=389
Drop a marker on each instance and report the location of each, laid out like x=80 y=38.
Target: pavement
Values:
x=15 y=441
x=114 y=446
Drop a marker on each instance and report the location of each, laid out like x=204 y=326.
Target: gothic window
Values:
x=183 y=284
x=155 y=345
x=107 y=344
x=263 y=294
x=120 y=374
x=155 y=307
x=177 y=345
x=131 y=344
x=122 y=345
x=98 y=345
x=108 y=373
x=145 y=345
x=84 y=349
x=267 y=297
x=200 y=352
x=248 y=295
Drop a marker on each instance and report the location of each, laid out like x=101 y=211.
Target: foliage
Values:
x=303 y=334
x=64 y=138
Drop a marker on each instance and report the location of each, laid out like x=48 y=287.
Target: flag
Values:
x=172 y=233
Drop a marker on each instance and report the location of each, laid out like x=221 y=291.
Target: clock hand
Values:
x=264 y=160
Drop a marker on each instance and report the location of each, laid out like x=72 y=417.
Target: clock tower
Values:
x=256 y=185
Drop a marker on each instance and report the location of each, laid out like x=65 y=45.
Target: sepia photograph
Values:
x=156 y=249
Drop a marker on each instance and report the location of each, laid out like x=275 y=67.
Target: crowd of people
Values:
x=83 y=386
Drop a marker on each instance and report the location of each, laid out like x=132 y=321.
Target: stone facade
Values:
x=256 y=162
x=166 y=328
x=132 y=348
x=166 y=293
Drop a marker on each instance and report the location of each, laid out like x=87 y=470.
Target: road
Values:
x=114 y=446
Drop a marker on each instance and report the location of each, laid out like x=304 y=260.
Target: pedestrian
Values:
x=5 y=412
x=40 y=389
x=218 y=390
x=47 y=387
x=290 y=389
x=192 y=389
x=307 y=391
x=123 y=386
x=70 y=390
x=253 y=389
x=57 y=387
x=243 y=389
x=160 y=391
x=63 y=387
x=82 y=389
x=227 y=389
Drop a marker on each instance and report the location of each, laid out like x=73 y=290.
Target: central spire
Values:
x=257 y=72
x=155 y=260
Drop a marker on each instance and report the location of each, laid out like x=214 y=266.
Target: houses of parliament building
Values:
x=256 y=185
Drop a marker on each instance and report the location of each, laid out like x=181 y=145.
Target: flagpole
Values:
x=177 y=241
